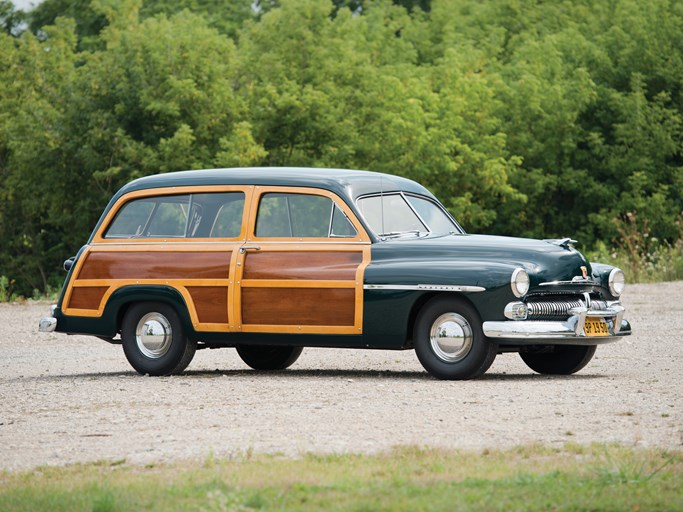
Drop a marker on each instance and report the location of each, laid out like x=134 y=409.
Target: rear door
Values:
x=185 y=238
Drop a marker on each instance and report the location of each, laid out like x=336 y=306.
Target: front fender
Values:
x=395 y=290
x=601 y=273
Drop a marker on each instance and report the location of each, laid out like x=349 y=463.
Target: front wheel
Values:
x=154 y=341
x=266 y=357
x=559 y=359
x=449 y=341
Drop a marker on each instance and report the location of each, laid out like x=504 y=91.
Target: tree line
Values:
x=528 y=118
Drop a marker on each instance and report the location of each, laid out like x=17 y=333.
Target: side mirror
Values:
x=69 y=263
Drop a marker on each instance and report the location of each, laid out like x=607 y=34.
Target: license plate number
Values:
x=595 y=327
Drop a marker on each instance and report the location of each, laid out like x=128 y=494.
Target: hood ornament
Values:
x=562 y=242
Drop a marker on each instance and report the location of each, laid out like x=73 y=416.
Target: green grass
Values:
x=575 y=477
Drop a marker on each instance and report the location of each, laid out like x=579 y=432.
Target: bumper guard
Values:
x=48 y=323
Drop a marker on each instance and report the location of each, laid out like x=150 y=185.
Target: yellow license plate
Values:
x=595 y=327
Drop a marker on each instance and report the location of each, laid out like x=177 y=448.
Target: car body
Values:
x=270 y=260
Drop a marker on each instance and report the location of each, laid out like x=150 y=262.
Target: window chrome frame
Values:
x=330 y=232
x=334 y=209
x=405 y=195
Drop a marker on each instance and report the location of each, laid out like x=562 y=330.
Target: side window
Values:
x=131 y=219
x=216 y=215
x=434 y=217
x=389 y=213
x=228 y=222
x=169 y=219
x=300 y=216
x=165 y=216
x=341 y=227
x=274 y=218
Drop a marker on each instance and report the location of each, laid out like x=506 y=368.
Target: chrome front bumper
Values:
x=567 y=332
x=48 y=323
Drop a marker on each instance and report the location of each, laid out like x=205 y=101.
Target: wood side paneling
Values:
x=302 y=265
x=298 y=306
x=156 y=265
x=87 y=298
x=211 y=303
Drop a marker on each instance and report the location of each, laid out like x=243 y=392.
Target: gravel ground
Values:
x=66 y=399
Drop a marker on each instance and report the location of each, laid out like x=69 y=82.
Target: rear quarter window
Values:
x=209 y=215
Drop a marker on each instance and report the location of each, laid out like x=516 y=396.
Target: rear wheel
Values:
x=449 y=341
x=153 y=339
x=268 y=357
x=560 y=359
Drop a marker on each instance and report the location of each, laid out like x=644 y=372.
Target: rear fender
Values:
x=124 y=297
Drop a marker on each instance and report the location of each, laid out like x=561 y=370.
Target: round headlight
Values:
x=617 y=282
x=519 y=282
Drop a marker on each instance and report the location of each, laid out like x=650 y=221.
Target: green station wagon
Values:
x=271 y=260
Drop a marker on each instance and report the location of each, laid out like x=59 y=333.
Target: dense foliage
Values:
x=531 y=118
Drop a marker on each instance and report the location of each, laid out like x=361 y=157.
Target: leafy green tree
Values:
x=11 y=19
x=226 y=17
x=529 y=118
x=346 y=91
x=88 y=21
x=75 y=126
x=34 y=180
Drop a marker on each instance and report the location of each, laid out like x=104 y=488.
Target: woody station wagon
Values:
x=271 y=260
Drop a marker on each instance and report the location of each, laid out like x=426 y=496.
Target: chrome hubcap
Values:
x=153 y=335
x=451 y=337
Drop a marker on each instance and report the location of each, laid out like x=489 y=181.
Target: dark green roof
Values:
x=347 y=184
x=344 y=182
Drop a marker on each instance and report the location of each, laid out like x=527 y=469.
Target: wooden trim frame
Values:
x=260 y=191
x=290 y=301
x=147 y=257
x=148 y=268
x=325 y=297
x=321 y=289
x=247 y=190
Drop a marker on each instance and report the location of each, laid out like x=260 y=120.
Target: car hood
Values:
x=486 y=257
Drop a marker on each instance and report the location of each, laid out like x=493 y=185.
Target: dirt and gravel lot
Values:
x=66 y=399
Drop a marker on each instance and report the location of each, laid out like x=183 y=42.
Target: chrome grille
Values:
x=551 y=310
x=598 y=304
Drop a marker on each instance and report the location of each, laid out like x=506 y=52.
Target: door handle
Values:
x=246 y=248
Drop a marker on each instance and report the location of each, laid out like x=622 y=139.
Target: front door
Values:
x=301 y=268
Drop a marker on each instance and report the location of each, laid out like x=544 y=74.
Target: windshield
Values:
x=397 y=214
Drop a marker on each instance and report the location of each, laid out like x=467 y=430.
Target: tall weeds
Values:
x=643 y=258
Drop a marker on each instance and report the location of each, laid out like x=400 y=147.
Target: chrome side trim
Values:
x=576 y=281
x=425 y=287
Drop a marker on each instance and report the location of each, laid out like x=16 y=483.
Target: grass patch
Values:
x=576 y=477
